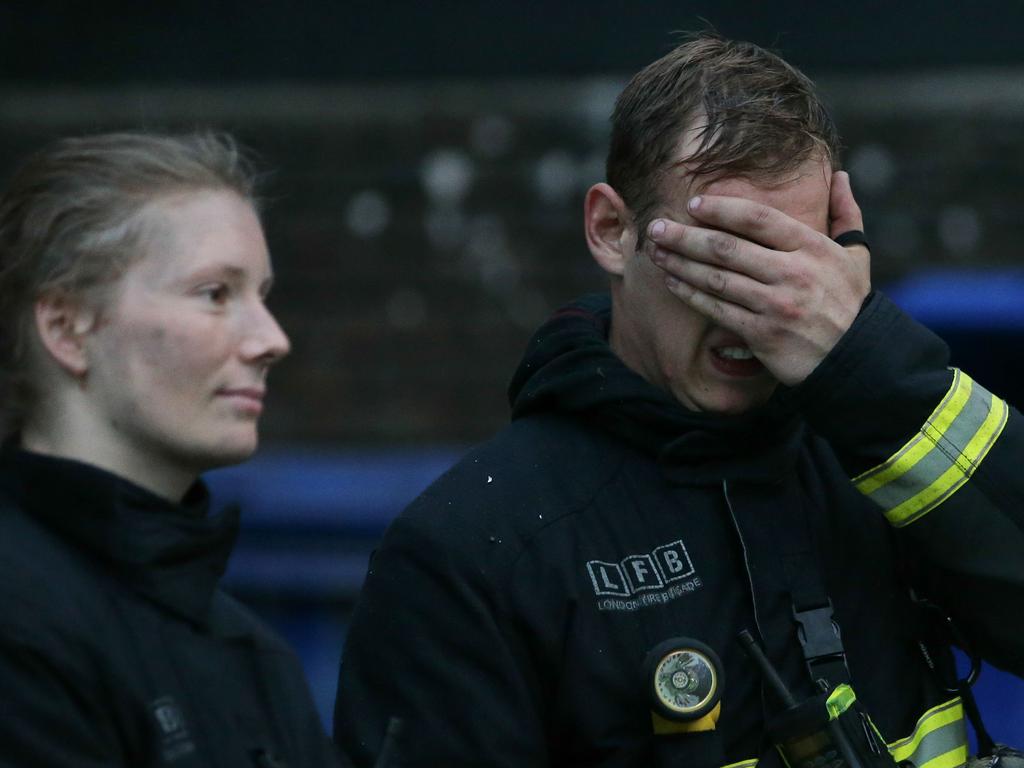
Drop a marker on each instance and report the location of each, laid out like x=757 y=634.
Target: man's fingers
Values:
x=711 y=246
x=734 y=287
x=721 y=312
x=844 y=213
x=753 y=221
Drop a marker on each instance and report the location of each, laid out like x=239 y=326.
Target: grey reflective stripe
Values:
x=938 y=741
x=941 y=744
x=937 y=461
x=941 y=457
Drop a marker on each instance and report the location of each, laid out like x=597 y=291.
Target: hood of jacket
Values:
x=570 y=369
x=172 y=554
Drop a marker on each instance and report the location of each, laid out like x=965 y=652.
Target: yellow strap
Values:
x=840 y=700
x=663 y=725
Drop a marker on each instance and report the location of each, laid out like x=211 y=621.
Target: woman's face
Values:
x=178 y=360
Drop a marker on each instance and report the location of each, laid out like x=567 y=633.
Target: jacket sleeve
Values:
x=943 y=460
x=48 y=716
x=429 y=644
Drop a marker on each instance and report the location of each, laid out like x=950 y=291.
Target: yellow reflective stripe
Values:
x=924 y=441
x=954 y=478
x=951 y=759
x=939 y=740
x=941 y=457
x=840 y=700
x=932 y=720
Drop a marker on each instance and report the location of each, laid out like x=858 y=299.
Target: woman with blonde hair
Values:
x=134 y=349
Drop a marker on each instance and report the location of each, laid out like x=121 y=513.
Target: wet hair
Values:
x=72 y=219
x=755 y=117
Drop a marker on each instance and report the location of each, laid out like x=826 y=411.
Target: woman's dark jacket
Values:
x=116 y=646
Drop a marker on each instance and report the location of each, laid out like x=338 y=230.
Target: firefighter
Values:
x=742 y=434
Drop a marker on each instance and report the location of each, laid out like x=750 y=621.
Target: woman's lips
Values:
x=248 y=399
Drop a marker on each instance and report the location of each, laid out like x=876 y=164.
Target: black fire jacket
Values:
x=508 y=612
x=116 y=647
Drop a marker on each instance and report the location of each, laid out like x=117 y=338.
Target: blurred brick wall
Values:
x=420 y=233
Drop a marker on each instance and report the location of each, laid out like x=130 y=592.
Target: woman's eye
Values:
x=217 y=294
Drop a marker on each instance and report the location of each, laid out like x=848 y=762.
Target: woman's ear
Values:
x=609 y=228
x=62 y=324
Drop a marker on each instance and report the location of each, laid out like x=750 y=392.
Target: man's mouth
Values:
x=736 y=360
x=734 y=353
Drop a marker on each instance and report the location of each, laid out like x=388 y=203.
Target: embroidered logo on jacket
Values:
x=175 y=740
x=637 y=581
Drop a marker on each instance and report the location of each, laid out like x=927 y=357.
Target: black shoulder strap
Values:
x=816 y=627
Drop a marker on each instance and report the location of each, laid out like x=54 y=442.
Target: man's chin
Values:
x=727 y=401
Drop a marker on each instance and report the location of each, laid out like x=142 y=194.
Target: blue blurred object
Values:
x=964 y=300
x=980 y=315
x=311 y=519
x=1000 y=698
x=358 y=492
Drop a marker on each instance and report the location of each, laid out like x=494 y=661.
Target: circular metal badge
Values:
x=684 y=676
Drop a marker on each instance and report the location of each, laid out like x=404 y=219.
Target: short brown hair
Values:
x=71 y=221
x=763 y=118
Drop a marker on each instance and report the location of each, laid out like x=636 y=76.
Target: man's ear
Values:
x=609 y=228
x=63 y=324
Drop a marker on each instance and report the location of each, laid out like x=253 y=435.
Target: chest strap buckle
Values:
x=822 y=645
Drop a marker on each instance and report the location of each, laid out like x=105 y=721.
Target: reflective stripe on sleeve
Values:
x=941 y=457
x=938 y=741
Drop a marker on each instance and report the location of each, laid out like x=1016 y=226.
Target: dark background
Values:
x=429 y=160
x=428 y=163
x=47 y=42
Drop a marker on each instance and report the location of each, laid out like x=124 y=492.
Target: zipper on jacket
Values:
x=746 y=559
x=750 y=580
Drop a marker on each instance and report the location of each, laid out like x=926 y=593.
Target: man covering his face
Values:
x=741 y=435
